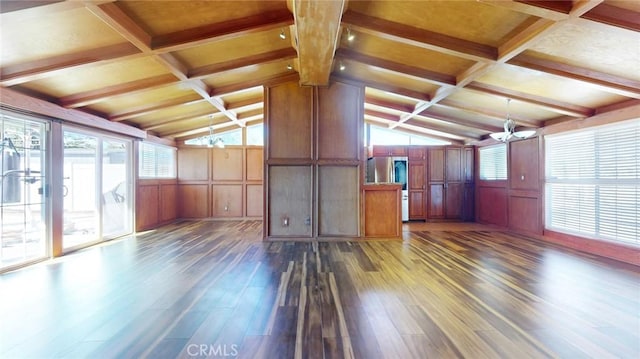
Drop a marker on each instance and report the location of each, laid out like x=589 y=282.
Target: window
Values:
x=493 y=162
x=255 y=135
x=592 y=184
x=385 y=136
x=233 y=137
x=156 y=161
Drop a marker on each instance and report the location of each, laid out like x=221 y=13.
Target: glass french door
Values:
x=117 y=209
x=81 y=220
x=97 y=188
x=24 y=234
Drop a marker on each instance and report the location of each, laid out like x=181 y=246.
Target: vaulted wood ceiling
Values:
x=440 y=68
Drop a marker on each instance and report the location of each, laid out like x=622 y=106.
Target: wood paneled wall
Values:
x=220 y=182
x=313 y=160
x=525 y=209
x=156 y=203
x=517 y=202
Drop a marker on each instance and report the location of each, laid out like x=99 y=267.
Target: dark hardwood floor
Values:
x=214 y=289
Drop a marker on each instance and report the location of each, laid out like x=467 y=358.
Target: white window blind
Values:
x=493 y=162
x=156 y=161
x=593 y=182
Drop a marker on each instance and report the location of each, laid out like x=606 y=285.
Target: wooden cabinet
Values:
x=416 y=153
x=449 y=170
x=468 y=175
x=389 y=151
x=382 y=210
x=417 y=189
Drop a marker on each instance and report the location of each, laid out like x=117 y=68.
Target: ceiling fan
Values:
x=510 y=129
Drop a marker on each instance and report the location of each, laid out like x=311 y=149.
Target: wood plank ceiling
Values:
x=443 y=69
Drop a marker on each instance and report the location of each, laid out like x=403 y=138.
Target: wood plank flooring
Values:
x=215 y=289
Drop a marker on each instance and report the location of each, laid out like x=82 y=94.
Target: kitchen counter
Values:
x=381 y=205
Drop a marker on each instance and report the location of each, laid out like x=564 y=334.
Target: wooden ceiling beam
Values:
x=246 y=103
x=423 y=74
x=606 y=82
x=252 y=82
x=112 y=15
x=394 y=122
x=35 y=70
x=387 y=104
x=490 y=113
x=194 y=115
x=155 y=107
x=106 y=93
x=416 y=131
x=23 y=102
x=238 y=64
x=255 y=113
x=415 y=122
x=386 y=87
x=317 y=28
x=231 y=29
x=382 y=115
x=419 y=37
x=614 y=16
x=196 y=132
x=528 y=9
x=460 y=121
x=546 y=103
x=523 y=39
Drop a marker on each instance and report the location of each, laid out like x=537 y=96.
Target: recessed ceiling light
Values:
x=289 y=67
x=342 y=67
x=282 y=34
x=350 y=35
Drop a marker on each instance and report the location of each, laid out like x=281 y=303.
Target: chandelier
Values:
x=510 y=129
x=214 y=142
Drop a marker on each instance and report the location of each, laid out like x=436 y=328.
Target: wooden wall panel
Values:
x=436 y=165
x=254 y=165
x=254 y=200
x=193 y=201
x=227 y=164
x=453 y=164
x=524 y=164
x=338 y=201
x=169 y=202
x=289 y=119
x=454 y=194
x=524 y=214
x=193 y=164
x=148 y=203
x=436 y=200
x=290 y=201
x=339 y=121
x=226 y=200
x=492 y=205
